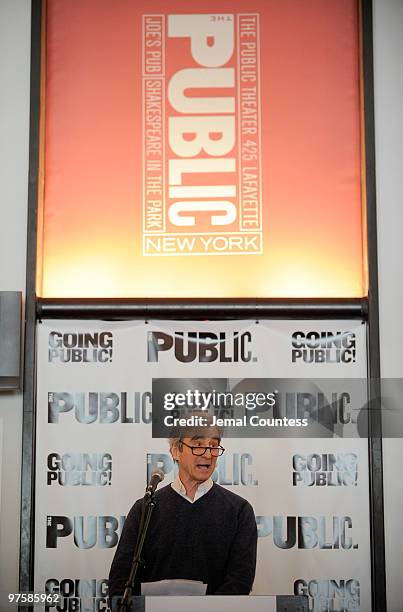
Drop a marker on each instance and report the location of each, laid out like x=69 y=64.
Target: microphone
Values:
x=157 y=476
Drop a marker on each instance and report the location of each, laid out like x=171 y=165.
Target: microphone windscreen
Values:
x=158 y=472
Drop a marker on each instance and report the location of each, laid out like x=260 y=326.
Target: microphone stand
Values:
x=148 y=507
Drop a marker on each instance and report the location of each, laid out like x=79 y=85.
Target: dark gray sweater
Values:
x=212 y=540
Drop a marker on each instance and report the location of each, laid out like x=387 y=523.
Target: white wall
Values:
x=388 y=72
x=14 y=127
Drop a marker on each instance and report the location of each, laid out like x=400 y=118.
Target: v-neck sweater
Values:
x=213 y=540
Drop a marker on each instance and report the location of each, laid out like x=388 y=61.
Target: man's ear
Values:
x=175 y=452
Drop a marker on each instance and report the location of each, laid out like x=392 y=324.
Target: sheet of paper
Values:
x=174 y=587
x=212 y=603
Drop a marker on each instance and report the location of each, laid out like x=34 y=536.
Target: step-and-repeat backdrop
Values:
x=95 y=450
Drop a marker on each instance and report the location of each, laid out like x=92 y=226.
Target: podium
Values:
x=216 y=603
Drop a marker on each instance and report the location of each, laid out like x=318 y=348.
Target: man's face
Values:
x=193 y=467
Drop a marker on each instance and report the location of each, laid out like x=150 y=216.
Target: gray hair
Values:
x=173 y=441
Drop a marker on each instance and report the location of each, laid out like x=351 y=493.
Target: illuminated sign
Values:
x=205 y=150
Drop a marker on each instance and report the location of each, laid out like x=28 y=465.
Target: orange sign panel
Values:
x=200 y=149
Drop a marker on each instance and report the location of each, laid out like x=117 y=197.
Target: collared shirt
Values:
x=201 y=490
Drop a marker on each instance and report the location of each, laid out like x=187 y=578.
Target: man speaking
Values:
x=198 y=530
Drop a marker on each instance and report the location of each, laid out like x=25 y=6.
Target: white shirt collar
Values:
x=201 y=490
